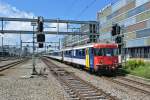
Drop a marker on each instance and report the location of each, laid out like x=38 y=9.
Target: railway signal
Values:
x=113 y=31
x=116 y=29
x=40 y=34
x=116 y=33
x=118 y=40
x=93 y=31
x=40 y=24
x=118 y=37
x=40 y=37
x=41 y=45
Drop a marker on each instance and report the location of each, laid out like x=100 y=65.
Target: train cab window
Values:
x=110 y=51
x=98 y=52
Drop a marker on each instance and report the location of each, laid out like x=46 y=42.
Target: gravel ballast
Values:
x=114 y=89
x=16 y=84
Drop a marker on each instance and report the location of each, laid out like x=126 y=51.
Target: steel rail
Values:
x=126 y=85
x=76 y=87
x=133 y=81
x=7 y=66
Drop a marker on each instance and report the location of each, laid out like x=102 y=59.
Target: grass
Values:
x=138 y=68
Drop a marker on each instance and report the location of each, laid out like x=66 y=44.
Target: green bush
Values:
x=138 y=68
x=132 y=64
x=140 y=63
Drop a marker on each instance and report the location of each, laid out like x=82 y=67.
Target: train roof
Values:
x=95 y=45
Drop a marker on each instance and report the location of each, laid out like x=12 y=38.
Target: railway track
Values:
x=134 y=81
x=132 y=84
x=7 y=66
x=77 y=88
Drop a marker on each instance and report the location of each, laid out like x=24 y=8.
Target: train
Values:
x=95 y=57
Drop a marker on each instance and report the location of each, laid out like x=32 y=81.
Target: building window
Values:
x=143 y=33
x=129 y=21
x=140 y=2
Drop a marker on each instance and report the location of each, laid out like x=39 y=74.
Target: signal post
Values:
x=118 y=36
x=40 y=36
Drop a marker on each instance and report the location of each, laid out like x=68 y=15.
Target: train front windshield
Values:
x=105 y=51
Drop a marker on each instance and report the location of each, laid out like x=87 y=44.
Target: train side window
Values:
x=76 y=52
x=80 y=53
x=83 y=52
x=66 y=53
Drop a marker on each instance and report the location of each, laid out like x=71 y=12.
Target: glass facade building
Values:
x=134 y=16
x=74 y=40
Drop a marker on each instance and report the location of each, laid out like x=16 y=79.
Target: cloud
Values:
x=6 y=10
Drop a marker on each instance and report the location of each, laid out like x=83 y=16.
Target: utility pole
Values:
x=2 y=39
x=59 y=43
x=20 y=46
x=45 y=48
x=123 y=45
x=34 y=72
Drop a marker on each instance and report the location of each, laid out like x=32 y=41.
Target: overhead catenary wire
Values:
x=70 y=8
x=85 y=9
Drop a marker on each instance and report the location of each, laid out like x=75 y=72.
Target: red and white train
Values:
x=94 y=57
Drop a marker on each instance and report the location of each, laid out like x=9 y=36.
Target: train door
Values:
x=91 y=58
x=87 y=59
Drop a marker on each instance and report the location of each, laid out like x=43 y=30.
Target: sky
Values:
x=51 y=9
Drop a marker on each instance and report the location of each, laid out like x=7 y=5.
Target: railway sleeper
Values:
x=78 y=84
x=91 y=94
x=74 y=98
x=84 y=92
x=73 y=82
x=80 y=87
x=94 y=97
x=72 y=95
x=85 y=89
